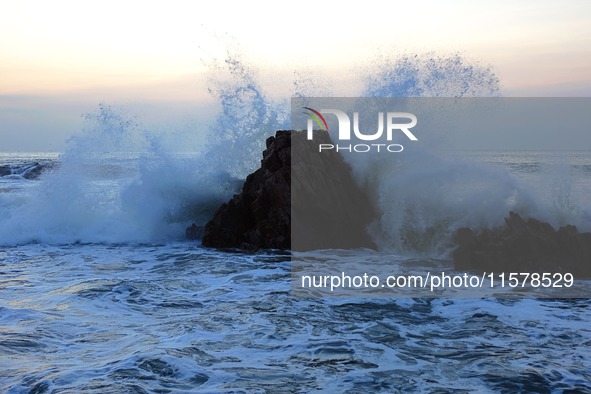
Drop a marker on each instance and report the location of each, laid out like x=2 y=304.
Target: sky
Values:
x=59 y=59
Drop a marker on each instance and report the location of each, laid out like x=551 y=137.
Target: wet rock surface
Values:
x=524 y=245
x=324 y=201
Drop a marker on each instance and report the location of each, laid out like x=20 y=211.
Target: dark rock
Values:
x=524 y=246
x=259 y=217
x=329 y=210
x=30 y=171
x=324 y=205
x=34 y=171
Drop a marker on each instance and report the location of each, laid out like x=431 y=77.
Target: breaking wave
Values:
x=119 y=181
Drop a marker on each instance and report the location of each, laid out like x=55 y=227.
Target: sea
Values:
x=100 y=292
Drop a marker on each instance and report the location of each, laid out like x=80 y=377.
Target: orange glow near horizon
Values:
x=65 y=45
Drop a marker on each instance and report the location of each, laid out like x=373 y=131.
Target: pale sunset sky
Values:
x=59 y=59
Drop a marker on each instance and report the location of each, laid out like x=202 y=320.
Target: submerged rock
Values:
x=34 y=171
x=323 y=209
x=30 y=171
x=524 y=246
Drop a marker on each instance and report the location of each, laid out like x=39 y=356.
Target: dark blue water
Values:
x=178 y=318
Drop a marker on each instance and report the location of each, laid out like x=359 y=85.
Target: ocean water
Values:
x=99 y=316
x=100 y=293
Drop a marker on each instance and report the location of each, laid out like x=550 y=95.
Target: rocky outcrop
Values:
x=524 y=246
x=296 y=188
x=30 y=171
x=258 y=217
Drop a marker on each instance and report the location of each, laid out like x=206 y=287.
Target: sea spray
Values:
x=424 y=198
x=120 y=181
x=81 y=200
x=246 y=119
x=188 y=191
x=430 y=75
x=429 y=191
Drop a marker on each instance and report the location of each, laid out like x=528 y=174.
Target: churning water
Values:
x=100 y=294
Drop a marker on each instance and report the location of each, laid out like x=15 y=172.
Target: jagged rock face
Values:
x=261 y=216
x=524 y=246
x=329 y=210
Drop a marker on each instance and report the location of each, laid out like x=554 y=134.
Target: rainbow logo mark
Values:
x=317 y=117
